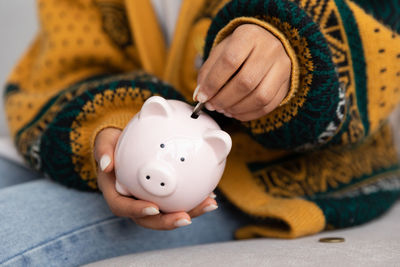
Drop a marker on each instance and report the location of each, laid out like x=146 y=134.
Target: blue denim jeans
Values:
x=43 y=223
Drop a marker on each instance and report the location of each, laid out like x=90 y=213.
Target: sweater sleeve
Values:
x=68 y=87
x=345 y=72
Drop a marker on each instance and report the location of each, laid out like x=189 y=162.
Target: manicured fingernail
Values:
x=104 y=162
x=195 y=92
x=201 y=97
x=212 y=195
x=210 y=207
x=229 y=115
x=150 y=211
x=182 y=222
x=209 y=106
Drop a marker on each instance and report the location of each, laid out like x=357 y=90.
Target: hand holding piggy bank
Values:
x=166 y=157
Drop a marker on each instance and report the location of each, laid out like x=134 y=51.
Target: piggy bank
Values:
x=169 y=158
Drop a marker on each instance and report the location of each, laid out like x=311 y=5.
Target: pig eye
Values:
x=162 y=145
x=182 y=159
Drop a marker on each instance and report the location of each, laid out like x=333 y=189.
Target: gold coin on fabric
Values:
x=331 y=240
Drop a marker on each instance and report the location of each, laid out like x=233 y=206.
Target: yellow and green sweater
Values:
x=323 y=159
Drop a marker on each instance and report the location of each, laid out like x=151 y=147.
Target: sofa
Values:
x=374 y=244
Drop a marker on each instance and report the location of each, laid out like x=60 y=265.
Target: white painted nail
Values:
x=182 y=222
x=210 y=207
x=195 y=92
x=150 y=211
x=212 y=195
x=209 y=106
x=229 y=115
x=201 y=97
x=104 y=162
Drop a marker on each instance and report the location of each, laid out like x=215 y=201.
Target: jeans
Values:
x=43 y=223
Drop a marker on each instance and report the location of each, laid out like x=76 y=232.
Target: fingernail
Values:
x=210 y=207
x=212 y=195
x=104 y=162
x=220 y=110
x=195 y=92
x=228 y=115
x=182 y=222
x=150 y=211
x=201 y=97
x=209 y=106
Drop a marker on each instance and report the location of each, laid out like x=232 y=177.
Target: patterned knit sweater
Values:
x=323 y=159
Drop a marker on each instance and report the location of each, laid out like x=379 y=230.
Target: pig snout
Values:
x=157 y=178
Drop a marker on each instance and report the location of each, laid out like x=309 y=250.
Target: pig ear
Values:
x=220 y=142
x=155 y=106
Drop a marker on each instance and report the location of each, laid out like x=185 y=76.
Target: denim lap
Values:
x=43 y=223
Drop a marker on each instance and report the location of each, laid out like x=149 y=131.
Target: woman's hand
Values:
x=142 y=212
x=246 y=76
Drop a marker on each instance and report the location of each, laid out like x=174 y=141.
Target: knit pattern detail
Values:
x=359 y=65
x=344 y=169
x=361 y=205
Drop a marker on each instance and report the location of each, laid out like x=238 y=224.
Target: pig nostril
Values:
x=148 y=177
x=162 y=184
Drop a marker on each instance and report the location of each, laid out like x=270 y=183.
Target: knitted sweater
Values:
x=323 y=159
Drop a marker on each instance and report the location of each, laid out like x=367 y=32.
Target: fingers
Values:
x=252 y=115
x=104 y=148
x=171 y=221
x=214 y=56
x=167 y=221
x=266 y=92
x=223 y=64
x=145 y=213
x=244 y=82
x=209 y=204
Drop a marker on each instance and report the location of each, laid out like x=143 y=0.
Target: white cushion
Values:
x=374 y=244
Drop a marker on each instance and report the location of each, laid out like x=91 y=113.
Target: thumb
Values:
x=104 y=147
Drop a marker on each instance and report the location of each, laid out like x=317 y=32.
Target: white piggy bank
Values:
x=166 y=157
